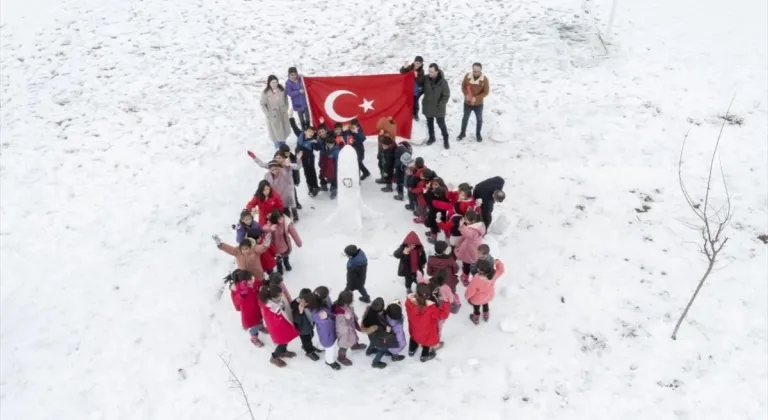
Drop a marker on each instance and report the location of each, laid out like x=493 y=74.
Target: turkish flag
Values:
x=367 y=98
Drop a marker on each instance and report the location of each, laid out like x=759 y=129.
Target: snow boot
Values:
x=398 y=357
x=428 y=357
x=370 y=351
x=287 y=264
x=313 y=356
x=474 y=318
x=333 y=193
x=465 y=279
x=279 y=262
x=277 y=362
x=256 y=342
x=399 y=197
x=365 y=299
x=343 y=358
x=379 y=365
x=387 y=188
x=411 y=352
x=288 y=354
x=409 y=207
x=431 y=141
x=382 y=180
x=323 y=187
x=479 y=138
x=461 y=137
x=446 y=145
x=313 y=192
x=486 y=316
x=334 y=365
x=359 y=346
x=364 y=176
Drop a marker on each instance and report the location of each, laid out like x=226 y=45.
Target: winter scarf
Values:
x=415 y=259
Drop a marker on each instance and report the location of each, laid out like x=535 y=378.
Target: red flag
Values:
x=367 y=98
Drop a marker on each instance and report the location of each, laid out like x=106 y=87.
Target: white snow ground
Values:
x=124 y=127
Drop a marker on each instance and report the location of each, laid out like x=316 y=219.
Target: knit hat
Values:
x=441 y=247
x=351 y=250
x=419 y=59
x=272 y=164
x=406 y=159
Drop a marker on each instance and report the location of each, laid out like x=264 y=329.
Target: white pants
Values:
x=330 y=354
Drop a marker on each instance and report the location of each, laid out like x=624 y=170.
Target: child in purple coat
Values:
x=325 y=325
x=294 y=88
x=394 y=317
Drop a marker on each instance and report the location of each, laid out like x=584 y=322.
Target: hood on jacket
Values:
x=359 y=259
x=437 y=78
x=412 y=239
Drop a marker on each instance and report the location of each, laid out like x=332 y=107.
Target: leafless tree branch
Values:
x=713 y=222
x=237 y=384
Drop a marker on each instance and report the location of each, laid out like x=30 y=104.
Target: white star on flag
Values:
x=366 y=105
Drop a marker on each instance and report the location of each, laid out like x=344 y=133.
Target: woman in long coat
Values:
x=274 y=103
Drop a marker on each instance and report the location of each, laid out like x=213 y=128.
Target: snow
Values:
x=124 y=126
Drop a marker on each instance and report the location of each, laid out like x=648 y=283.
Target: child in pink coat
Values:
x=279 y=319
x=481 y=289
x=283 y=236
x=472 y=231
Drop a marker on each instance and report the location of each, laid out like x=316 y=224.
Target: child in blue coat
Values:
x=357 y=270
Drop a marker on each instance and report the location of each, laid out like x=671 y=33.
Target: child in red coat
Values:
x=244 y=293
x=279 y=319
x=266 y=199
x=424 y=316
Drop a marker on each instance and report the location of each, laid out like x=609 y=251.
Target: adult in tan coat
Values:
x=246 y=254
x=475 y=87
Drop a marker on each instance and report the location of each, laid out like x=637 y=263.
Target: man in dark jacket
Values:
x=387 y=159
x=490 y=192
x=357 y=270
x=436 y=96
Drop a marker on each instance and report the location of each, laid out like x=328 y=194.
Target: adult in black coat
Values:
x=490 y=191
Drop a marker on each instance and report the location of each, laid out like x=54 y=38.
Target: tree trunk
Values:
x=695 y=293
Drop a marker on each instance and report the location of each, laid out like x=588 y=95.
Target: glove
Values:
x=479 y=202
x=216 y=239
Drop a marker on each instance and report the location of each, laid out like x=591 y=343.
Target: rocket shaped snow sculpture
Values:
x=350 y=209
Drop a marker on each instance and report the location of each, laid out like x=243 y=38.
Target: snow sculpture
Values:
x=350 y=209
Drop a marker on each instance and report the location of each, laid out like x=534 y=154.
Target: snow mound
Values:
x=455 y=372
x=508 y=325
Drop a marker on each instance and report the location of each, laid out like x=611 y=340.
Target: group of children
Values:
x=262 y=255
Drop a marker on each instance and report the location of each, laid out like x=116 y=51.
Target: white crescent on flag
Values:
x=329 y=101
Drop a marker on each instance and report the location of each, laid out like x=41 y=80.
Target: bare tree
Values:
x=237 y=384
x=712 y=221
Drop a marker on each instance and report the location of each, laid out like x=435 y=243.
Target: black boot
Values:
x=431 y=141
x=280 y=265
x=479 y=137
x=446 y=144
x=324 y=187
x=313 y=191
x=382 y=180
x=333 y=193
x=287 y=264
x=295 y=213
x=399 y=197
x=387 y=188
x=461 y=137
x=409 y=206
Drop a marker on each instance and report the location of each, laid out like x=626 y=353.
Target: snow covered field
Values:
x=124 y=130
